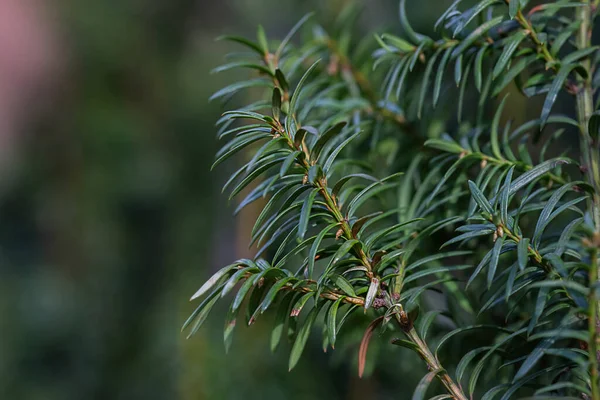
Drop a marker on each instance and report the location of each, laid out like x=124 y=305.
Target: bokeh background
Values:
x=110 y=218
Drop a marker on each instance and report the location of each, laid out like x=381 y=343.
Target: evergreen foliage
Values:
x=492 y=226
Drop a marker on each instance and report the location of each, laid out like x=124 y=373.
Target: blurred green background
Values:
x=110 y=218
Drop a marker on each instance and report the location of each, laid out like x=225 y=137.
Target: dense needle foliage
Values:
x=491 y=226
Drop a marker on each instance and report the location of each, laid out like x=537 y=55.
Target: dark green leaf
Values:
x=305 y=213
x=332 y=321
x=535 y=173
x=480 y=198
x=282 y=81
x=513 y=8
x=467 y=236
x=368 y=192
x=406 y=344
x=242 y=64
x=494 y=260
x=555 y=88
x=343 y=284
x=425 y=322
x=472 y=14
x=344 y=249
x=288 y=162
x=494 y=132
x=242 y=40
x=339 y=184
x=523 y=253
x=458 y=69
x=579 y=54
x=302 y=338
x=255 y=174
x=230 y=322
x=210 y=283
x=415 y=57
x=241 y=294
x=545 y=216
x=262 y=39
x=236 y=87
x=297 y=91
x=329 y=162
x=281 y=317
x=399 y=43
x=504 y=197
x=594 y=126
x=312 y=254
x=477 y=72
x=440 y=75
x=325 y=138
x=273 y=291
x=315 y=173
x=540 y=304
x=467 y=358
x=238 y=145
x=235 y=278
x=423 y=385
x=408 y=30
x=484 y=261
x=566 y=235
x=201 y=312
x=574 y=286
x=276 y=103
x=425 y=80
x=299 y=305
x=533 y=358
x=291 y=33
x=476 y=34
x=444 y=145
x=514 y=71
x=509 y=48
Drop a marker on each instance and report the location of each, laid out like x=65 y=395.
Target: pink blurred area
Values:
x=30 y=62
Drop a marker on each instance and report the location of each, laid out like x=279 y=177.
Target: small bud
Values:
x=404 y=318
x=483 y=163
x=305 y=180
x=339 y=233
x=500 y=231
x=378 y=303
